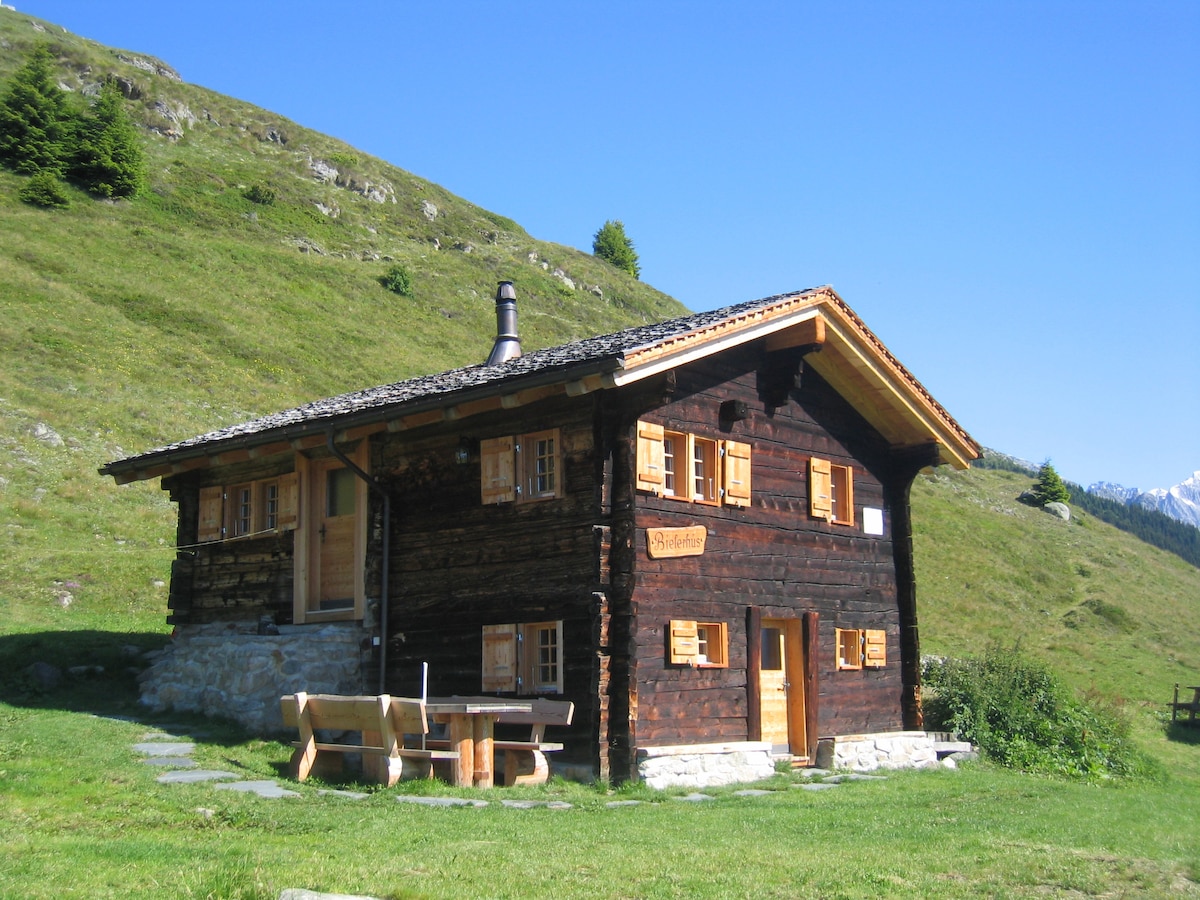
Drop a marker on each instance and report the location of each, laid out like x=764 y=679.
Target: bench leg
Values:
x=525 y=767
x=326 y=766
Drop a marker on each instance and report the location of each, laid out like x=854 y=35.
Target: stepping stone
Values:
x=268 y=789
x=754 y=792
x=532 y=804
x=441 y=801
x=694 y=798
x=814 y=773
x=302 y=894
x=164 y=749
x=345 y=795
x=617 y=804
x=838 y=779
x=162 y=736
x=816 y=786
x=174 y=762
x=195 y=776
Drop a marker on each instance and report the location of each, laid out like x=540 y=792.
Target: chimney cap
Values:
x=505 y=291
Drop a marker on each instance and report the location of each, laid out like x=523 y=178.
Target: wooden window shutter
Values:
x=288 y=511
x=651 y=463
x=736 y=474
x=845 y=512
x=499 y=658
x=875 y=648
x=497 y=469
x=820 y=504
x=211 y=521
x=683 y=644
x=849 y=648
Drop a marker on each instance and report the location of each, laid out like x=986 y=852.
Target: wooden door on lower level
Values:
x=781 y=687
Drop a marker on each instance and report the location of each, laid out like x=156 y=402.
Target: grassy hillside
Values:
x=127 y=325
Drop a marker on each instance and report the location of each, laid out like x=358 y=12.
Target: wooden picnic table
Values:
x=472 y=724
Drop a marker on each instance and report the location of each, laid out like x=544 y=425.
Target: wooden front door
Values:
x=333 y=553
x=781 y=686
x=329 y=571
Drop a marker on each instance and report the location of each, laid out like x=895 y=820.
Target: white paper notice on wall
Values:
x=872 y=520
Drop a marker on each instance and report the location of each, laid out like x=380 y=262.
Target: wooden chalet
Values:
x=698 y=531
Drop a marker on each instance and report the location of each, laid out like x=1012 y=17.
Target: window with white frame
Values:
x=523 y=658
x=521 y=468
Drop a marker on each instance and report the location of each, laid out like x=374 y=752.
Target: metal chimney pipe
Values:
x=508 y=344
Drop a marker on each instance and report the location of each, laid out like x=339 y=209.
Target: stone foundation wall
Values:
x=888 y=750
x=233 y=671
x=705 y=765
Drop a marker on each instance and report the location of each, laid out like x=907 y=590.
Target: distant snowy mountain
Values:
x=1181 y=502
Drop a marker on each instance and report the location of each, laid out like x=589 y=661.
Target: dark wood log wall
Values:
x=239 y=580
x=458 y=565
x=772 y=555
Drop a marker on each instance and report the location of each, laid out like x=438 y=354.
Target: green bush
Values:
x=398 y=280
x=1018 y=715
x=44 y=189
x=260 y=194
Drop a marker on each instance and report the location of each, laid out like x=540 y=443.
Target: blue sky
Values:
x=1008 y=193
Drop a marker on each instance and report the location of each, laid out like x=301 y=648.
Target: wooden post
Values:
x=482 y=731
x=753 y=670
x=812 y=648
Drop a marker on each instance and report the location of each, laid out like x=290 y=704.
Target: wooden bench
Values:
x=382 y=721
x=1191 y=707
x=525 y=760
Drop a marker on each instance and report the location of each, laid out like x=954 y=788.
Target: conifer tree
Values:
x=108 y=159
x=1050 y=487
x=613 y=245
x=35 y=124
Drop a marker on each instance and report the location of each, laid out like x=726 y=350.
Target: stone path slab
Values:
x=174 y=762
x=269 y=789
x=441 y=801
x=195 y=776
x=164 y=748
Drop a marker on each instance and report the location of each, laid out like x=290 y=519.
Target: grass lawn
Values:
x=81 y=815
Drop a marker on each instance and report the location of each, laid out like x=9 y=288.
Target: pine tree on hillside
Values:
x=35 y=123
x=613 y=245
x=108 y=158
x=1050 y=487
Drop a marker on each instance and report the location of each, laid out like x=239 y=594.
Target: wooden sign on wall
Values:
x=664 y=543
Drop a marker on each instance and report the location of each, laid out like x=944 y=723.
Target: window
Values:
x=859 y=648
x=247 y=509
x=520 y=468
x=699 y=644
x=704 y=470
x=692 y=468
x=831 y=491
x=524 y=658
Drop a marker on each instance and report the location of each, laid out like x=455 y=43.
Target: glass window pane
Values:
x=772 y=649
x=340 y=489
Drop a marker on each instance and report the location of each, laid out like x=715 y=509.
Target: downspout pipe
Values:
x=385 y=549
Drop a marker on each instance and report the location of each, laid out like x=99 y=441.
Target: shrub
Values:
x=260 y=194
x=398 y=280
x=1018 y=715
x=44 y=189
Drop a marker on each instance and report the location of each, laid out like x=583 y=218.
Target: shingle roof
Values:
x=623 y=354
x=600 y=353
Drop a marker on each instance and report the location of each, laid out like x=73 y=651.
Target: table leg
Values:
x=483 y=731
x=462 y=739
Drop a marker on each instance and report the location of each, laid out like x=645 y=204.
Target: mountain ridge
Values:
x=1181 y=501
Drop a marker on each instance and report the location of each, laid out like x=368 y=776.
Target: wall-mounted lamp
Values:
x=462 y=453
x=734 y=411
